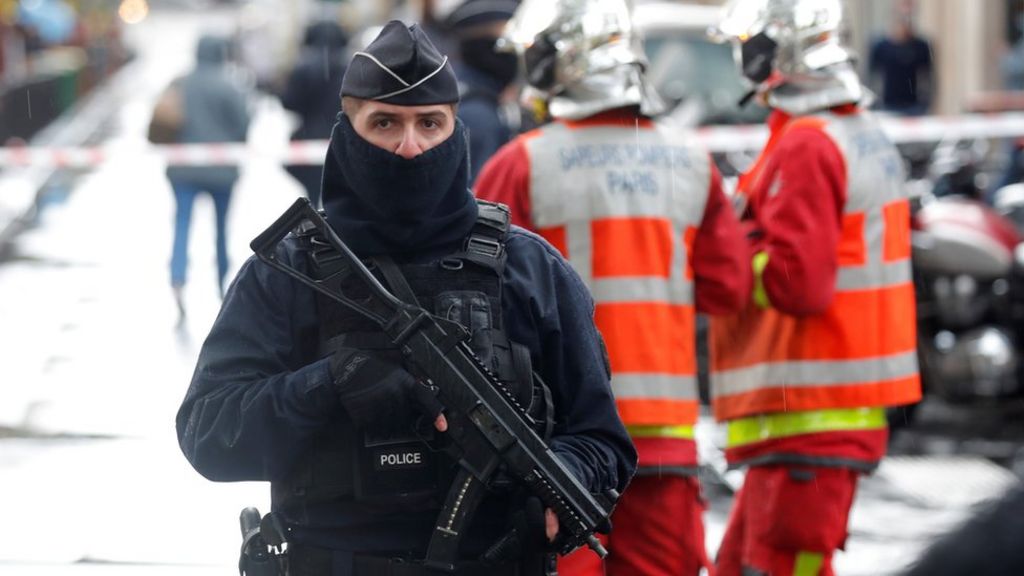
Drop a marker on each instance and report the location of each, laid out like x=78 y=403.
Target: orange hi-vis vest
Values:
x=623 y=205
x=861 y=352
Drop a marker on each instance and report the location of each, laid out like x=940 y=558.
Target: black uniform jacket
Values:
x=259 y=393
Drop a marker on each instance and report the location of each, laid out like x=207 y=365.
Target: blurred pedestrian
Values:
x=215 y=110
x=641 y=215
x=803 y=375
x=311 y=91
x=902 y=66
x=485 y=76
x=1012 y=68
x=1012 y=63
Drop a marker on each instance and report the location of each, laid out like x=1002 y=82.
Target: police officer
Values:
x=293 y=389
x=311 y=92
x=485 y=74
x=802 y=376
x=640 y=213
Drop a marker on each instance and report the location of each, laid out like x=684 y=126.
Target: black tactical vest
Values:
x=391 y=468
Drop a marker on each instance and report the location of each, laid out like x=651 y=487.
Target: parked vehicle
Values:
x=969 y=280
x=694 y=75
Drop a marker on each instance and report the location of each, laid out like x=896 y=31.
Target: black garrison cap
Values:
x=402 y=67
x=476 y=12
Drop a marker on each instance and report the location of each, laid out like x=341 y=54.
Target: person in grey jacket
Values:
x=215 y=110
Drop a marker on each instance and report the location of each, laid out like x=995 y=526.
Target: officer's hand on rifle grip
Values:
x=425 y=397
x=550 y=524
x=374 y=391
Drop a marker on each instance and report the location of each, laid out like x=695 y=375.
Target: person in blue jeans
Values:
x=185 y=193
x=215 y=110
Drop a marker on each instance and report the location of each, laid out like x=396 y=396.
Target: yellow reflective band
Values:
x=678 y=432
x=808 y=563
x=771 y=426
x=540 y=109
x=760 y=295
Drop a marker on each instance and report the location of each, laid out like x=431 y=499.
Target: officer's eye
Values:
x=431 y=124
x=383 y=123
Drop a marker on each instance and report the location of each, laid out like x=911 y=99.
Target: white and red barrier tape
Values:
x=902 y=130
x=312 y=152
x=215 y=154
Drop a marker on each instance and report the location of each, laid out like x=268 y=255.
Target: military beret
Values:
x=401 y=66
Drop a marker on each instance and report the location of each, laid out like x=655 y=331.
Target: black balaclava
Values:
x=480 y=53
x=377 y=201
x=478 y=49
x=381 y=203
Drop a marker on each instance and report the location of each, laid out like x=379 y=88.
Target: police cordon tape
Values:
x=311 y=152
x=902 y=130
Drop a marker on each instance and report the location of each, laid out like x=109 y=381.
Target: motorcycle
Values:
x=969 y=283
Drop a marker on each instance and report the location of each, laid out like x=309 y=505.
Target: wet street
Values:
x=95 y=364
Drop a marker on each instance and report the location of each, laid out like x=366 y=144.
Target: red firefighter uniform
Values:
x=803 y=374
x=640 y=214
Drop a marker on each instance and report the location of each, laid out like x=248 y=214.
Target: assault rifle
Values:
x=489 y=432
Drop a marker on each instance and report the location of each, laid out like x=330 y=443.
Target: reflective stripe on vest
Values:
x=623 y=206
x=679 y=432
x=773 y=426
x=808 y=563
x=643 y=399
x=861 y=350
x=818 y=373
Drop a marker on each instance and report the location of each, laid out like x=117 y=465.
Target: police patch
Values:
x=405 y=458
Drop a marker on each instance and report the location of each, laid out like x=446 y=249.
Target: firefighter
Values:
x=803 y=375
x=640 y=213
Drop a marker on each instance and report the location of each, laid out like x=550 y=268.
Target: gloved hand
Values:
x=374 y=391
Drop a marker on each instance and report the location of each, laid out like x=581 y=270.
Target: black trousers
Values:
x=310 y=561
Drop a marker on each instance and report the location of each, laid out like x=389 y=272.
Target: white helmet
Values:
x=792 y=52
x=581 y=56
